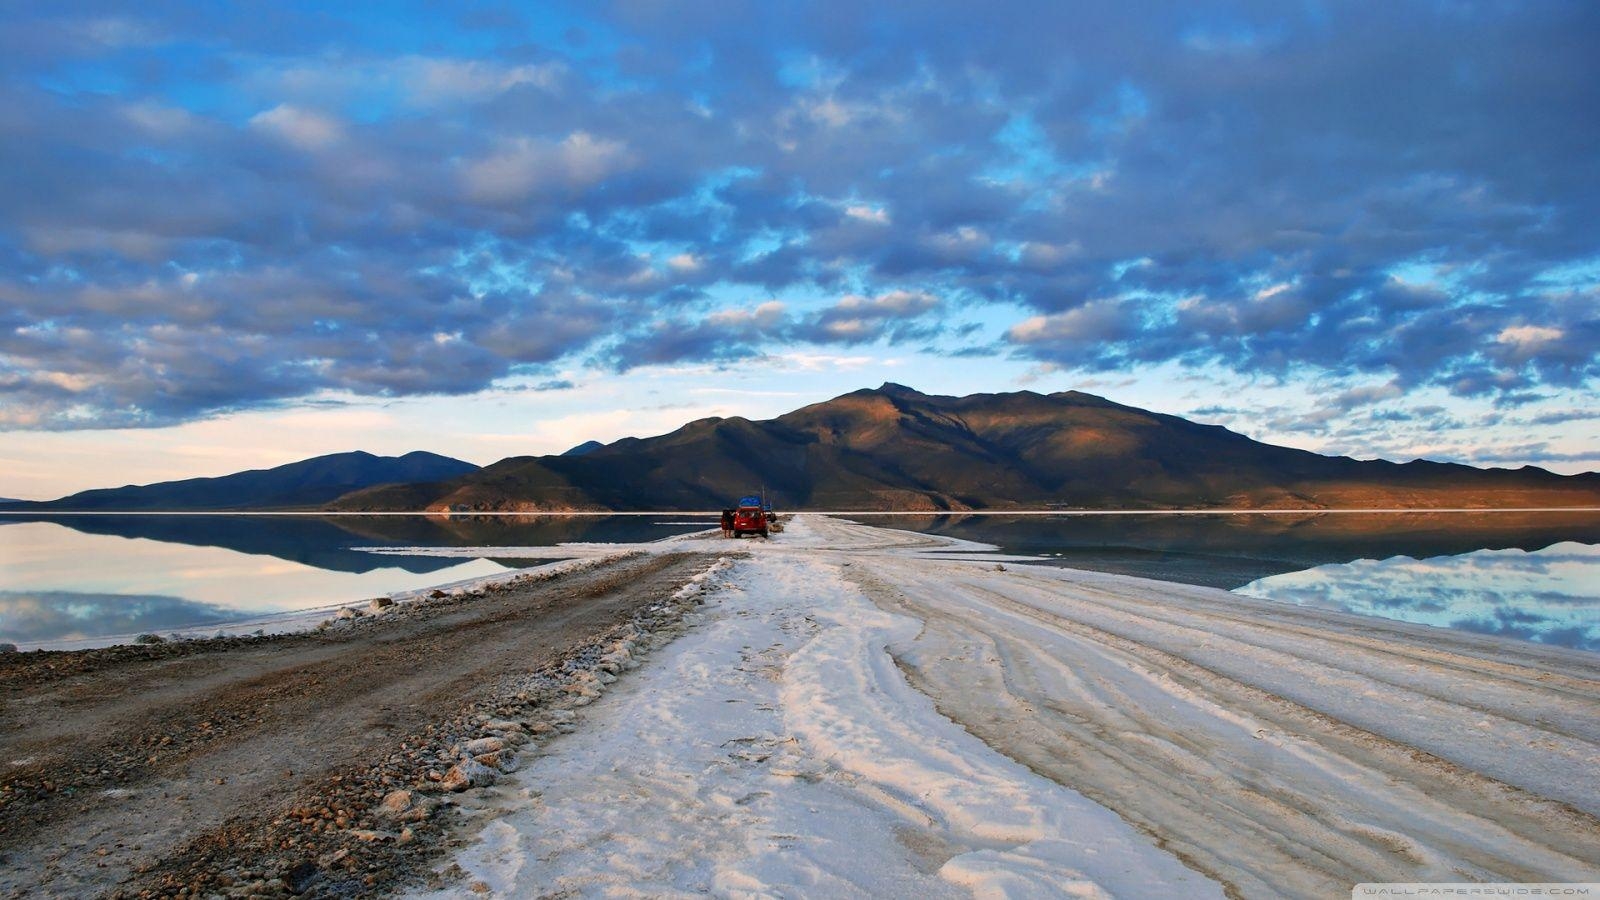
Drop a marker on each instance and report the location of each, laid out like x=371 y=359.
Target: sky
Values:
x=236 y=235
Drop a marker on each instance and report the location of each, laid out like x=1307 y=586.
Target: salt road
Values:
x=868 y=712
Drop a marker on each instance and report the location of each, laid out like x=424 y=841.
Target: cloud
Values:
x=439 y=81
x=31 y=616
x=856 y=319
x=750 y=331
x=875 y=215
x=303 y=128
x=685 y=263
x=200 y=213
x=1080 y=332
x=523 y=166
x=1525 y=341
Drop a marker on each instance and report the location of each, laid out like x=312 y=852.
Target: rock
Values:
x=484 y=745
x=395 y=804
x=349 y=612
x=405 y=806
x=379 y=603
x=503 y=760
x=300 y=876
x=468 y=773
x=438 y=595
x=369 y=836
x=505 y=726
x=149 y=639
x=8 y=648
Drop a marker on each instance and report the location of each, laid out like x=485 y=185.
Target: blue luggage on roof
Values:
x=752 y=500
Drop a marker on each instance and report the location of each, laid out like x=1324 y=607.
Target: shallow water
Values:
x=77 y=577
x=1530 y=576
x=1551 y=595
x=1533 y=576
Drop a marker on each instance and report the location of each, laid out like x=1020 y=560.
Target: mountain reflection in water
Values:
x=68 y=578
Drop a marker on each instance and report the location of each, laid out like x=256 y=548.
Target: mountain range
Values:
x=307 y=484
x=895 y=448
x=888 y=448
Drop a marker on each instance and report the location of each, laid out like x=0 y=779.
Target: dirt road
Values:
x=255 y=766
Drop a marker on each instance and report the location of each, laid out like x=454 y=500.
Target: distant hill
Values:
x=585 y=447
x=309 y=483
x=894 y=448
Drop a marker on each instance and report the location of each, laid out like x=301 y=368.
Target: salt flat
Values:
x=869 y=712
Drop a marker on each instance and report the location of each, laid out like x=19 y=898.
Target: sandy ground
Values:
x=865 y=712
x=210 y=765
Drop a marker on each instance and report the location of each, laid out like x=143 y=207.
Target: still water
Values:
x=74 y=578
x=1532 y=576
x=1529 y=576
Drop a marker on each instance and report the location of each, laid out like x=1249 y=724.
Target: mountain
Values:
x=308 y=483
x=895 y=448
x=585 y=447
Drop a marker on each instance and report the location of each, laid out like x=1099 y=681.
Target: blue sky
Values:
x=234 y=235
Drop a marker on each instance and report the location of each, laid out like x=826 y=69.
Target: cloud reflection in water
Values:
x=30 y=616
x=1551 y=596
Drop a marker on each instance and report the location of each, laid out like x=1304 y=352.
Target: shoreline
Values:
x=307 y=618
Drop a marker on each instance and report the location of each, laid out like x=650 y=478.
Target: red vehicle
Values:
x=750 y=517
x=749 y=520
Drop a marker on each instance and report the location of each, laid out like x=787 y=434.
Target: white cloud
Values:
x=304 y=128
x=686 y=263
x=893 y=303
x=764 y=316
x=68 y=381
x=1098 y=320
x=875 y=215
x=827 y=362
x=526 y=166
x=1529 y=338
x=447 y=80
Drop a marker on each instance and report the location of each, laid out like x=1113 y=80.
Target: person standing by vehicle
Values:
x=727 y=523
